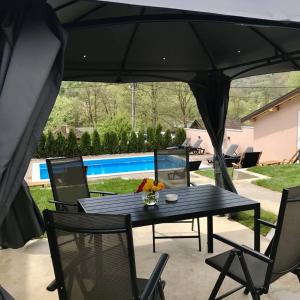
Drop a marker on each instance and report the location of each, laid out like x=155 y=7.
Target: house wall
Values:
x=275 y=132
x=243 y=138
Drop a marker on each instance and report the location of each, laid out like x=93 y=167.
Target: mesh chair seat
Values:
x=257 y=268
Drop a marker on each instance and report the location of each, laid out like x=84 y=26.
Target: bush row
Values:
x=108 y=143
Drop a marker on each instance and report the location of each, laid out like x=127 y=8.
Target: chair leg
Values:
x=199 y=234
x=250 y=287
x=52 y=286
x=222 y=275
x=246 y=291
x=161 y=291
x=193 y=224
x=153 y=238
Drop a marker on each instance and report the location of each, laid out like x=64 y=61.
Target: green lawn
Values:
x=246 y=218
x=122 y=186
x=210 y=173
x=282 y=176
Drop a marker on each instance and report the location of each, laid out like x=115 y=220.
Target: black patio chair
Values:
x=256 y=271
x=248 y=159
x=102 y=267
x=230 y=155
x=68 y=182
x=172 y=168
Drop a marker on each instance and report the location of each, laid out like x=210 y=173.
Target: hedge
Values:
x=108 y=143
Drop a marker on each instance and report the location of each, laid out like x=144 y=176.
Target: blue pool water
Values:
x=112 y=166
x=122 y=165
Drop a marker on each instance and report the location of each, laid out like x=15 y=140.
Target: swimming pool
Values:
x=111 y=166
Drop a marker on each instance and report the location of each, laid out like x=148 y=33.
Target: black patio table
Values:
x=197 y=201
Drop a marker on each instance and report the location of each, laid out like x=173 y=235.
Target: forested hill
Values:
x=109 y=106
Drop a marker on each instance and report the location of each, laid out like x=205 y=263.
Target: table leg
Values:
x=210 y=231
x=257 y=228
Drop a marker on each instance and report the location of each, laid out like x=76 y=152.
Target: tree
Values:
x=141 y=141
x=150 y=139
x=123 y=147
x=106 y=143
x=167 y=139
x=114 y=141
x=180 y=136
x=132 y=144
x=60 y=145
x=85 y=144
x=71 y=145
x=50 y=145
x=96 y=143
x=41 y=150
x=158 y=137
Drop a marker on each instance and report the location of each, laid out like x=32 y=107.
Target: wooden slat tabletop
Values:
x=196 y=201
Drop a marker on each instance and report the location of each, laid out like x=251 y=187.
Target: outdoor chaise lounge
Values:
x=196 y=147
x=248 y=159
x=230 y=153
x=68 y=182
x=172 y=168
x=100 y=262
x=256 y=271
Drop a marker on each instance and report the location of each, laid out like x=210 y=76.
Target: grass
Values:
x=122 y=186
x=282 y=176
x=246 y=218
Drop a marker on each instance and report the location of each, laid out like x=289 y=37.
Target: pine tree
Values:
x=60 y=145
x=123 y=147
x=85 y=145
x=114 y=143
x=40 y=152
x=71 y=145
x=96 y=143
x=132 y=144
x=180 y=136
x=150 y=139
x=158 y=137
x=167 y=139
x=50 y=145
x=106 y=143
x=141 y=141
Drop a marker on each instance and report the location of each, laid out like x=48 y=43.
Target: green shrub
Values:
x=123 y=147
x=60 y=145
x=41 y=150
x=85 y=145
x=114 y=143
x=150 y=139
x=180 y=136
x=71 y=145
x=167 y=139
x=50 y=145
x=158 y=137
x=106 y=143
x=96 y=143
x=132 y=144
x=141 y=147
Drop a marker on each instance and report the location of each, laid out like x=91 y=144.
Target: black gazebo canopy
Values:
x=203 y=43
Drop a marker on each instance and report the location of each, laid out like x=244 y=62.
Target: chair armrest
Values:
x=62 y=203
x=243 y=248
x=267 y=223
x=155 y=277
x=235 y=165
x=102 y=193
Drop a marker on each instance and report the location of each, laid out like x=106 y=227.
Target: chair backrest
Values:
x=92 y=255
x=249 y=149
x=231 y=150
x=197 y=144
x=172 y=167
x=250 y=159
x=186 y=142
x=68 y=179
x=285 y=251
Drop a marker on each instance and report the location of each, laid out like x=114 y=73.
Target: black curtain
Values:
x=211 y=91
x=32 y=44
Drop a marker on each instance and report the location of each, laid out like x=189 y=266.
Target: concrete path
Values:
x=26 y=272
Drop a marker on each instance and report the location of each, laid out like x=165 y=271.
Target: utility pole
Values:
x=133 y=105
